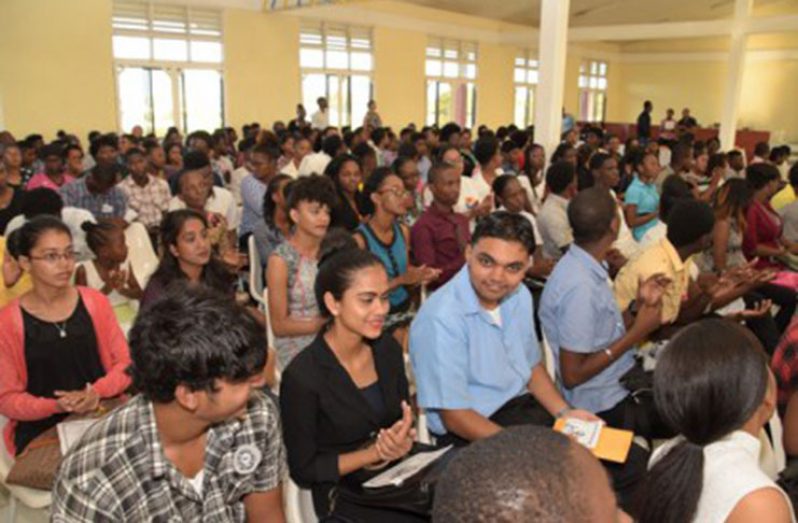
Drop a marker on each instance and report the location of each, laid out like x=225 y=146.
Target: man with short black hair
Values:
x=97 y=192
x=440 y=235
x=525 y=473
x=147 y=195
x=200 y=442
x=644 y=123
x=488 y=168
x=553 y=217
x=263 y=162
x=474 y=350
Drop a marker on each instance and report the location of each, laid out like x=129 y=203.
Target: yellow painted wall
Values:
x=495 y=89
x=261 y=67
x=399 y=83
x=767 y=99
x=56 y=67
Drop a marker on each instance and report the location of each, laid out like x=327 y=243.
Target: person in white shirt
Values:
x=553 y=218
x=321 y=118
x=316 y=163
x=198 y=192
x=468 y=203
x=302 y=148
x=46 y=201
x=714 y=387
x=488 y=168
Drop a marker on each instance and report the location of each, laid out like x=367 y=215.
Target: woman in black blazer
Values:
x=344 y=398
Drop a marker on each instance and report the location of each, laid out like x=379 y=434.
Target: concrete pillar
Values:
x=734 y=75
x=551 y=85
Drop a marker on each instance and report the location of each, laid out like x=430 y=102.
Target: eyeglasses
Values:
x=54 y=257
x=399 y=193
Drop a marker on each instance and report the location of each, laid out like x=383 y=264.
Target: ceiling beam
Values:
x=671 y=30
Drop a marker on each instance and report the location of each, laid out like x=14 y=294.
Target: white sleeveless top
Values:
x=731 y=472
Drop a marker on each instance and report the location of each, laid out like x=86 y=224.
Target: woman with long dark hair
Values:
x=344 y=170
x=533 y=176
x=344 y=399
x=713 y=386
x=187 y=255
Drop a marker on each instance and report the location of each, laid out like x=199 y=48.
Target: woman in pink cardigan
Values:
x=61 y=350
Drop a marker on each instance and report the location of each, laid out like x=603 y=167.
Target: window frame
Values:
x=355 y=40
x=464 y=55
x=593 y=85
x=526 y=61
x=154 y=21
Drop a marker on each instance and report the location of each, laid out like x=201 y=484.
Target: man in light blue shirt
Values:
x=263 y=167
x=581 y=320
x=476 y=359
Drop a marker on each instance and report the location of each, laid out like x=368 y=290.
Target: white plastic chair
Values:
x=298 y=503
x=548 y=356
x=32 y=498
x=256 y=285
x=142 y=257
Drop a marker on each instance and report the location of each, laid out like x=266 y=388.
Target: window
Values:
x=336 y=63
x=592 y=91
x=168 y=66
x=451 y=69
x=525 y=77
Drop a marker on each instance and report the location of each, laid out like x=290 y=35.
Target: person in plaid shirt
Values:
x=147 y=195
x=201 y=442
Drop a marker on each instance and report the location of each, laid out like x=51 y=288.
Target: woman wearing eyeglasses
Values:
x=61 y=348
x=385 y=201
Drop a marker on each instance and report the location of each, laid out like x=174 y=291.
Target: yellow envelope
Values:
x=613 y=444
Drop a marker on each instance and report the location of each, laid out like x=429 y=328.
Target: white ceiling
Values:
x=602 y=12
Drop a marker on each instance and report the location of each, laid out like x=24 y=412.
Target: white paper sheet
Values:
x=397 y=474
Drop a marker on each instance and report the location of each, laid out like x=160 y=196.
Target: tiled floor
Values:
x=24 y=514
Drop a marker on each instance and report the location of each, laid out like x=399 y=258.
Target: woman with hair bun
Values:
x=713 y=386
x=345 y=397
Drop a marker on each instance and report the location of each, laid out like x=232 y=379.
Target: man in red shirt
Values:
x=439 y=237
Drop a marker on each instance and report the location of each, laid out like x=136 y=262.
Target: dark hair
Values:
x=597 y=161
x=53 y=149
x=760 y=174
x=590 y=215
x=133 y=151
x=715 y=161
x=559 y=153
x=400 y=162
x=69 y=148
x=500 y=183
x=378 y=134
x=27 y=236
x=485 y=149
x=195 y=160
x=41 y=201
x=372 y=186
x=215 y=275
x=437 y=168
x=448 y=130
x=267 y=150
x=506 y=226
x=268 y=198
x=313 y=188
x=333 y=168
x=178 y=340
x=710 y=380
x=523 y=473
x=732 y=201
x=761 y=149
x=97 y=234
x=559 y=176
x=339 y=260
x=105 y=140
x=689 y=221
x=793 y=175
x=331 y=145
x=674 y=190
x=734 y=153
x=205 y=136
x=527 y=154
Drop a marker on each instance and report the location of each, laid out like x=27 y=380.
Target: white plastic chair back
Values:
x=141 y=255
x=256 y=284
x=772 y=457
x=548 y=356
x=298 y=503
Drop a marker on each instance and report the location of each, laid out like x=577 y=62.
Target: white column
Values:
x=551 y=85
x=734 y=75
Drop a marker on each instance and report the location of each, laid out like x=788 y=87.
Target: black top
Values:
x=644 y=125
x=56 y=363
x=373 y=396
x=13 y=209
x=344 y=215
x=324 y=413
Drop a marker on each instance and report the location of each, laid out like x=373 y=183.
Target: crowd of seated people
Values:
x=428 y=271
